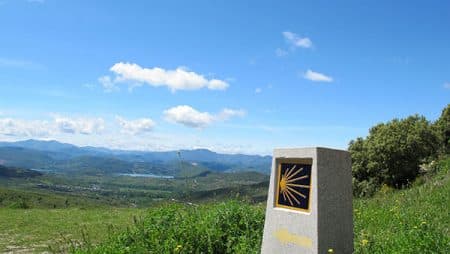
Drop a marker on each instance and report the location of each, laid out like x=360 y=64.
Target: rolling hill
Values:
x=69 y=158
x=9 y=172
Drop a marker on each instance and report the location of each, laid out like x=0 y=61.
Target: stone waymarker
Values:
x=309 y=206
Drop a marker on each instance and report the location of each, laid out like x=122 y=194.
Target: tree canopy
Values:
x=392 y=152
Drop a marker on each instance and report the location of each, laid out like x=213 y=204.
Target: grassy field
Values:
x=414 y=220
x=34 y=230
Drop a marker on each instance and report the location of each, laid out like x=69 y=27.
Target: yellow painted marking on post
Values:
x=285 y=237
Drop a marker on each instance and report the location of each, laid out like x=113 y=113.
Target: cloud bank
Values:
x=41 y=128
x=85 y=126
x=24 y=128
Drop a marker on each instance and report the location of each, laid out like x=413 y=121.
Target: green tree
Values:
x=392 y=153
x=442 y=127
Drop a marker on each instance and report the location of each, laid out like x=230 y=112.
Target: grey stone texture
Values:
x=329 y=223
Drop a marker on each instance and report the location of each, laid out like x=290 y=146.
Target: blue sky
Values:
x=231 y=76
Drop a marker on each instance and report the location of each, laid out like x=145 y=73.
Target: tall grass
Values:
x=229 y=227
x=415 y=220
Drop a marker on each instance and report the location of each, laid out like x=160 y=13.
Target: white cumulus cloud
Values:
x=84 y=126
x=296 y=41
x=216 y=84
x=317 y=76
x=178 y=79
x=136 y=127
x=190 y=117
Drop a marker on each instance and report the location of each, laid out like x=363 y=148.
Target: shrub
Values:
x=20 y=204
x=364 y=188
x=392 y=153
x=442 y=127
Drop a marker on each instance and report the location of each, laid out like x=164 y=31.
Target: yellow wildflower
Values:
x=364 y=242
x=330 y=251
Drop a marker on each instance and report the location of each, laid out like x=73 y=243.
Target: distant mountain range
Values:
x=68 y=158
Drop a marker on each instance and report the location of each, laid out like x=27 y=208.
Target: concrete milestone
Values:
x=309 y=205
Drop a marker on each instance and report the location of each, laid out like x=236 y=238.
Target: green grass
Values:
x=18 y=198
x=230 y=227
x=415 y=220
x=33 y=230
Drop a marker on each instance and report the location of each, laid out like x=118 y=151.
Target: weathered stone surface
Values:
x=328 y=222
